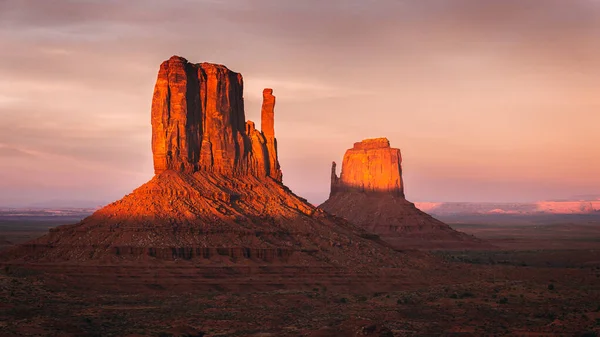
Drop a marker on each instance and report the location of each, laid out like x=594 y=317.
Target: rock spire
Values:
x=268 y=129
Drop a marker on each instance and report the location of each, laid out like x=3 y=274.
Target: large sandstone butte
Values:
x=370 y=193
x=216 y=199
x=198 y=123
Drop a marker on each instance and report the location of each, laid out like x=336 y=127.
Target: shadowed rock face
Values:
x=198 y=123
x=370 y=193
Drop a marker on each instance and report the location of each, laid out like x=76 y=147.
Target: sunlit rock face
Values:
x=370 y=166
x=268 y=129
x=370 y=193
x=198 y=123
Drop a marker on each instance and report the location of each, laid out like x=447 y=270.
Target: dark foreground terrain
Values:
x=542 y=281
x=526 y=232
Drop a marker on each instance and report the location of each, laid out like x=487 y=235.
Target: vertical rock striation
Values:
x=222 y=108
x=176 y=116
x=199 y=123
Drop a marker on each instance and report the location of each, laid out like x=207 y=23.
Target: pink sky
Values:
x=488 y=100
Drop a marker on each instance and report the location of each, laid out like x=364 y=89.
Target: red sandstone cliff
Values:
x=370 y=193
x=198 y=123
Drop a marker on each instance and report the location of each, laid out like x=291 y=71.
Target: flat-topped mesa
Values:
x=372 y=143
x=199 y=123
x=371 y=166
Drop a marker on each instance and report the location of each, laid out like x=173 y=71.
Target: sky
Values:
x=491 y=101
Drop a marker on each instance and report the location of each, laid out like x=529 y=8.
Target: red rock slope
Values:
x=370 y=193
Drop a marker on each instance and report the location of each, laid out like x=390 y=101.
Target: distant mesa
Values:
x=581 y=207
x=217 y=196
x=370 y=193
x=370 y=166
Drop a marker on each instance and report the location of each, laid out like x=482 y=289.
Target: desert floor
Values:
x=543 y=279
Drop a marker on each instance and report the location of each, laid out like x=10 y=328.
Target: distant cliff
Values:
x=534 y=208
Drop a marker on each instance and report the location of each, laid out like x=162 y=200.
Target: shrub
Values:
x=467 y=294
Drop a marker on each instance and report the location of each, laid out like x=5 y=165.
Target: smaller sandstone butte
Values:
x=370 y=166
x=370 y=193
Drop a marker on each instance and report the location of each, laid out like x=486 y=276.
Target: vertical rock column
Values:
x=221 y=94
x=176 y=115
x=268 y=130
x=334 y=179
